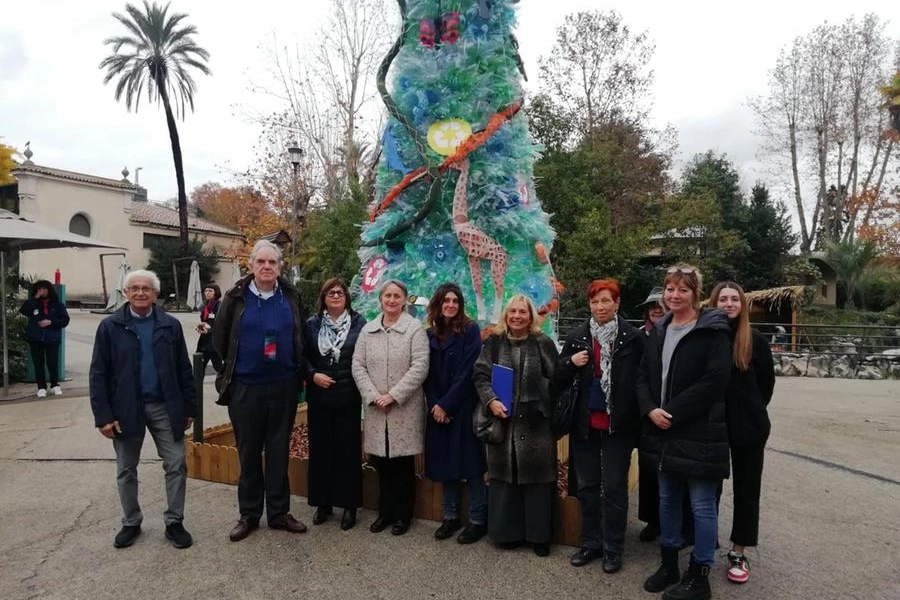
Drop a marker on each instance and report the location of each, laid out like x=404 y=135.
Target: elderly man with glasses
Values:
x=141 y=380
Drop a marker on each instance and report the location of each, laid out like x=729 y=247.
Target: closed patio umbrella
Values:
x=195 y=289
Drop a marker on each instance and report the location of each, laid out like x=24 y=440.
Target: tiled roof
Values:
x=164 y=216
x=28 y=167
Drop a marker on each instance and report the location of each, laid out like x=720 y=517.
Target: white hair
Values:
x=143 y=274
x=264 y=244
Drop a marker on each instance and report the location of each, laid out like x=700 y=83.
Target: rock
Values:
x=869 y=372
x=817 y=366
x=841 y=367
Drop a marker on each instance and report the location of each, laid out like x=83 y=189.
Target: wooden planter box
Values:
x=217 y=460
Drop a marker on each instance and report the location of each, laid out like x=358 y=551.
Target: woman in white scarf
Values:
x=602 y=356
x=334 y=405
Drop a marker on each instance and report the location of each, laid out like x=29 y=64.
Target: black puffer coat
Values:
x=625 y=417
x=749 y=393
x=343 y=392
x=696 y=445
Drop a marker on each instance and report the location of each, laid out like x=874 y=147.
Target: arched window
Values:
x=81 y=225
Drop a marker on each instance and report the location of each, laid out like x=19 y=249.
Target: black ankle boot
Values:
x=694 y=585
x=667 y=573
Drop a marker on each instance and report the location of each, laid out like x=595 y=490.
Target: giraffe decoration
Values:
x=478 y=246
x=452 y=88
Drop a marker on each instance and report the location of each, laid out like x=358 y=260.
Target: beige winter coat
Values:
x=393 y=361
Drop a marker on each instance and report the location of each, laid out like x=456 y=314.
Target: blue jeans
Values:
x=703 y=505
x=478 y=510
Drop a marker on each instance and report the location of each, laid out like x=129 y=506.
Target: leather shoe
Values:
x=126 y=536
x=179 y=536
x=612 y=562
x=649 y=533
x=400 y=527
x=348 y=519
x=243 y=528
x=287 y=522
x=472 y=533
x=379 y=524
x=321 y=515
x=584 y=556
x=448 y=527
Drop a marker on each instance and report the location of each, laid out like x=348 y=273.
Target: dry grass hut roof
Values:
x=777 y=298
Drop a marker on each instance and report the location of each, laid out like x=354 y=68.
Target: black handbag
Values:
x=488 y=428
x=564 y=409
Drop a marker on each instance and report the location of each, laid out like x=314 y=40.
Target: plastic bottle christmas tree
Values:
x=454 y=189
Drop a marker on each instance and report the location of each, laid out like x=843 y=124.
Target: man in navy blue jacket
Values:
x=140 y=380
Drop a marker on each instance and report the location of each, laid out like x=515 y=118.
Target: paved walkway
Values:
x=830 y=527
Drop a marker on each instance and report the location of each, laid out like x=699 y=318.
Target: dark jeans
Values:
x=648 y=501
x=263 y=418
x=335 y=456
x=45 y=355
x=396 y=487
x=601 y=467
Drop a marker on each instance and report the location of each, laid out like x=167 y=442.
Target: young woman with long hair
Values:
x=452 y=452
x=749 y=393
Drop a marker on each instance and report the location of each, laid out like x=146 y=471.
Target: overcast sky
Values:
x=711 y=56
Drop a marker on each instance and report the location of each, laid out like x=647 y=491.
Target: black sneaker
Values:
x=126 y=536
x=178 y=535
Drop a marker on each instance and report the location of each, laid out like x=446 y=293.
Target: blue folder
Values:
x=502 y=383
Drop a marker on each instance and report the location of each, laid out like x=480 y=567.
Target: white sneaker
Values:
x=56 y=390
x=42 y=393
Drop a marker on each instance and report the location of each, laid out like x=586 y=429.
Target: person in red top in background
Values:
x=47 y=317
x=602 y=357
x=213 y=295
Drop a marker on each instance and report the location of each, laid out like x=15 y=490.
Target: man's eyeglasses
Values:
x=684 y=270
x=335 y=293
x=140 y=289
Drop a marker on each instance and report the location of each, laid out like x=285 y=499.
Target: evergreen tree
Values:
x=769 y=237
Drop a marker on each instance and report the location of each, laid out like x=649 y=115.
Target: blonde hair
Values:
x=742 y=346
x=689 y=276
x=502 y=327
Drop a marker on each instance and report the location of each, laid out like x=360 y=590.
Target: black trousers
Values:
x=601 y=467
x=335 y=456
x=212 y=355
x=45 y=356
x=396 y=487
x=263 y=418
x=746 y=478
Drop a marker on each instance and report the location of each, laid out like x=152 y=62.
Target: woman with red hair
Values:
x=600 y=358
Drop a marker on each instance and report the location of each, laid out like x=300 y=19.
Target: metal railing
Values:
x=812 y=338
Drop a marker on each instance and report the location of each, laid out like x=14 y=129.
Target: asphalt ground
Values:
x=829 y=529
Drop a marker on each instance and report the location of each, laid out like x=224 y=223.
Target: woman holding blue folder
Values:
x=522 y=468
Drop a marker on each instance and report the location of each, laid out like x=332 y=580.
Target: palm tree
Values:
x=849 y=260
x=155 y=57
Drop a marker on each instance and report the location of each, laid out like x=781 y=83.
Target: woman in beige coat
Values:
x=390 y=364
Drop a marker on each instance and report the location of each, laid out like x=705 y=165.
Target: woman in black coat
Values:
x=602 y=356
x=213 y=295
x=47 y=317
x=749 y=393
x=452 y=452
x=681 y=392
x=334 y=405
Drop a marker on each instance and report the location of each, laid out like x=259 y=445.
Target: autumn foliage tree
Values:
x=240 y=208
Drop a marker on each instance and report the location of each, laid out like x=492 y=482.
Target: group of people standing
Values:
x=689 y=388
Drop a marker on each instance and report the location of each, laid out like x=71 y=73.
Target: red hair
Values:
x=598 y=285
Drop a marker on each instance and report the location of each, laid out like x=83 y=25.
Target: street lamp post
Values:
x=295 y=155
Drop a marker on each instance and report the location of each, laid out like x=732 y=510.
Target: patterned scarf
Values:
x=605 y=335
x=333 y=334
